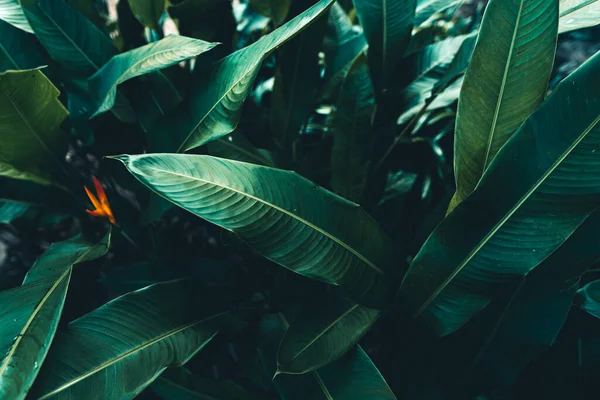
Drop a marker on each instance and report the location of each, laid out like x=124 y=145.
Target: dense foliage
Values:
x=298 y=199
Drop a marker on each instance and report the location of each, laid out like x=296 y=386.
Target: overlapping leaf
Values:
x=506 y=80
x=18 y=49
x=285 y=217
x=148 y=12
x=542 y=184
x=578 y=14
x=426 y=8
x=11 y=12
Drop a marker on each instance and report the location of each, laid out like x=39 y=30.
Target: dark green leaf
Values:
x=148 y=12
x=11 y=12
x=11 y=211
x=18 y=49
x=590 y=298
x=277 y=10
x=236 y=147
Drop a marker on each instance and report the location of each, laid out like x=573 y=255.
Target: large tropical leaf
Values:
x=11 y=12
x=285 y=217
x=214 y=107
x=30 y=313
x=169 y=51
x=353 y=376
x=387 y=25
x=321 y=333
x=148 y=12
x=353 y=133
x=18 y=49
x=577 y=14
x=426 y=8
x=506 y=80
x=32 y=146
x=542 y=184
x=121 y=347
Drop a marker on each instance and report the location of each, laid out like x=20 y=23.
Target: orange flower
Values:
x=102 y=206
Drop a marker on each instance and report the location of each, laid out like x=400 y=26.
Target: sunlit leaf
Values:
x=578 y=14
x=11 y=12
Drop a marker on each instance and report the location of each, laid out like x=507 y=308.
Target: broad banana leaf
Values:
x=30 y=313
x=505 y=82
x=578 y=14
x=214 y=108
x=387 y=26
x=9 y=211
x=121 y=347
x=11 y=12
x=427 y=8
x=166 y=52
x=542 y=184
x=321 y=333
x=283 y=216
x=148 y=12
x=32 y=146
x=353 y=135
x=18 y=49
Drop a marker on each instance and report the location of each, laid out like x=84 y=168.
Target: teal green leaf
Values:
x=32 y=145
x=283 y=216
x=353 y=136
x=321 y=333
x=30 y=314
x=180 y=384
x=236 y=147
x=70 y=38
x=578 y=14
x=148 y=12
x=215 y=107
x=88 y=9
x=18 y=49
x=589 y=296
x=387 y=25
x=542 y=184
x=427 y=8
x=11 y=12
x=10 y=211
x=506 y=81
x=121 y=347
x=152 y=57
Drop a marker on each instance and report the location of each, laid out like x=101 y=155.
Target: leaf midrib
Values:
x=284 y=211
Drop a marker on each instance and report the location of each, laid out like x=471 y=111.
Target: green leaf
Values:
x=387 y=25
x=321 y=333
x=505 y=82
x=30 y=313
x=285 y=217
x=276 y=10
x=427 y=8
x=538 y=189
x=353 y=134
x=121 y=347
x=88 y=8
x=180 y=384
x=236 y=147
x=10 y=211
x=148 y=12
x=589 y=296
x=166 y=52
x=32 y=146
x=578 y=14
x=70 y=38
x=18 y=49
x=215 y=107
x=11 y=12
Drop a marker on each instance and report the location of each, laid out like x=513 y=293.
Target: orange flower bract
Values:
x=102 y=208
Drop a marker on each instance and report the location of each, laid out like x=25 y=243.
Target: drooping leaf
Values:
x=353 y=133
x=169 y=51
x=148 y=12
x=70 y=38
x=387 y=26
x=427 y=8
x=578 y=14
x=121 y=347
x=506 y=80
x=276 y=10
x=11 y=12
x=180 y=384
x=214 y=108
x=321 y=333
x=32 y=146
x=11 y=211
x=538 y=189
x=18 y=49
x=236 y=147
x=285 y=217
x=30 y=313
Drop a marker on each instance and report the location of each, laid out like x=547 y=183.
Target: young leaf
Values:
x=322 y=333
x=214 y=108
x=31 y=145
x=505 y=82
x=387 y=25
x=353 y=133
x=538 y=189
x=148 y=12
x=121 y=347
x=18 y=49
x=30 y=313
x=578 y=14
x=11 y=12
x=166 y=52
x=285 y=217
